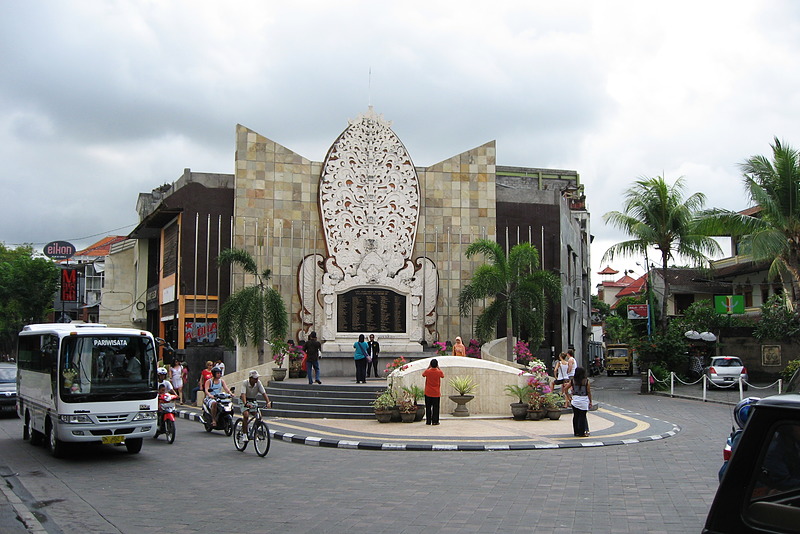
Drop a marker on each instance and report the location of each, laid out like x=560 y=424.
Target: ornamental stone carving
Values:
x=370 y=204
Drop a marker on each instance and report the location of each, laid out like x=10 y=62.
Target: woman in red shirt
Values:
x=433 y=380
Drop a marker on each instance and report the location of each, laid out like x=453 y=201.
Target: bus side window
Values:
x=49 y=353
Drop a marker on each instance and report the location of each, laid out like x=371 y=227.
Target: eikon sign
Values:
x=59 y=250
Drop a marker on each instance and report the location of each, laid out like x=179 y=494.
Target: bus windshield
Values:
x=107 y=367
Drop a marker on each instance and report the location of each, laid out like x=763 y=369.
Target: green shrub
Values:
x=661 y=375
x=789 y=370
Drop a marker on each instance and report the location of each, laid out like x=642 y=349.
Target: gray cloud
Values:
x=101 y=101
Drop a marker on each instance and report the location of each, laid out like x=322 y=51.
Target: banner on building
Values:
x=200 y=332
x=69 y=285
x=729 y=304
x=638 y=311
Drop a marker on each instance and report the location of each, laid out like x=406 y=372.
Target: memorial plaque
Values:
x=369 y=311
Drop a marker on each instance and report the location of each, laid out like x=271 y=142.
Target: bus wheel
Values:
x=134 y=445
x=56 y=446
x=26 y=429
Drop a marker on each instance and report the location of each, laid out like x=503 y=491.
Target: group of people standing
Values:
x=365 y=355
x=576 y=390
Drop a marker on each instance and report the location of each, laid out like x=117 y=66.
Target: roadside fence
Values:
x=703 y=389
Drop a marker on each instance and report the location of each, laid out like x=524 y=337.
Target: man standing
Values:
x=374 y=350
x=312 y=348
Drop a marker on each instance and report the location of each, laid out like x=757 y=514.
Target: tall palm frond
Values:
x=253 y=313
x=773 y=233
x=656 y=214
x=518 y=289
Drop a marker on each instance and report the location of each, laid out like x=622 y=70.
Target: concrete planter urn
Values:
x=535 y=415
x=461 y=404
x=519 y=410
x=278 y=374
x=408 y=417
x=554 y=415
x=383 y=416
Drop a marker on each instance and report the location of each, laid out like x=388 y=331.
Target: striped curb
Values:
x=371 y=445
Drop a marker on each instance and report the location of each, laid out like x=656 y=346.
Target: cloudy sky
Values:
x=102 y=100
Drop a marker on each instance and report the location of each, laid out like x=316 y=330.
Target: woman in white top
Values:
x=561 y=373
x=176 y=376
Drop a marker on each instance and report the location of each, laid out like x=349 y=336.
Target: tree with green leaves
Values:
x=254 y=313
x=773 y=233
x=519 y=289
x=27 y=287
x=658 y=215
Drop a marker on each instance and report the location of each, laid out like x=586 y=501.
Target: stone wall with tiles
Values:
x=458 y=207
x=276 y=215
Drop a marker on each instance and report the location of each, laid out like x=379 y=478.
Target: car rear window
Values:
x=727 y=362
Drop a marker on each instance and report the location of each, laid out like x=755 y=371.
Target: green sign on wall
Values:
x=728 y=304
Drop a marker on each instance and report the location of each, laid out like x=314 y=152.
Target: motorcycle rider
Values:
x=163 y=389
x=162 y=381
x=250 y=389
x=214 y=386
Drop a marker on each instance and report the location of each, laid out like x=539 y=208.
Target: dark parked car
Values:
x=8 y=387
x=760 y=490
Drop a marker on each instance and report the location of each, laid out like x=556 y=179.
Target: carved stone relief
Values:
x=370 y=202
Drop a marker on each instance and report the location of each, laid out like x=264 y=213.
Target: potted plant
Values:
x=519 y=410
x=417 y=393
x=464 y=385
x=296 y=354
x=553 y=402
x=383 y=406
x=408 y=408
x=278 y=356
x=536 y=405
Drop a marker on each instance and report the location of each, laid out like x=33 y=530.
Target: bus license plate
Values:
x=113 y=439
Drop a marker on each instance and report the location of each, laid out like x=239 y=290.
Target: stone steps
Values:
x=322 y=401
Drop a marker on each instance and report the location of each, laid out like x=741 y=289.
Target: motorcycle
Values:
x=166 y=417
x=224 y=414
x=596 y=366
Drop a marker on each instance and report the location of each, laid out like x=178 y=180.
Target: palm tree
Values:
x=251 y=314
x=519 y=288
x=657 y=215
x=773 y=233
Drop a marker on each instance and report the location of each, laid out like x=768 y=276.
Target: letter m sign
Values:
x=69 y=285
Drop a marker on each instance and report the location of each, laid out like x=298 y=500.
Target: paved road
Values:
x=202 y=484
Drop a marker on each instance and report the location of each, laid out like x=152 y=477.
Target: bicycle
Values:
x=257 y=432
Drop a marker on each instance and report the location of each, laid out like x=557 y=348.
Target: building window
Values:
x=170 y=250
x=682 y=302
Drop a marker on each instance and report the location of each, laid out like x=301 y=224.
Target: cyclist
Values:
x=251 y=388
x=214 y=386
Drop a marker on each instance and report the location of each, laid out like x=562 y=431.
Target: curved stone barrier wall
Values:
x=492 y=378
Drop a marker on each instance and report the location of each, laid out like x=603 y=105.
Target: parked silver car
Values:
x=724 y=371
x=8 y=388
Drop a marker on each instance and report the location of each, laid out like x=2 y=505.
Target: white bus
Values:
x=86 y=383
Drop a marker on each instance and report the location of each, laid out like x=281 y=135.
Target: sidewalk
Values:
x=610 y=425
